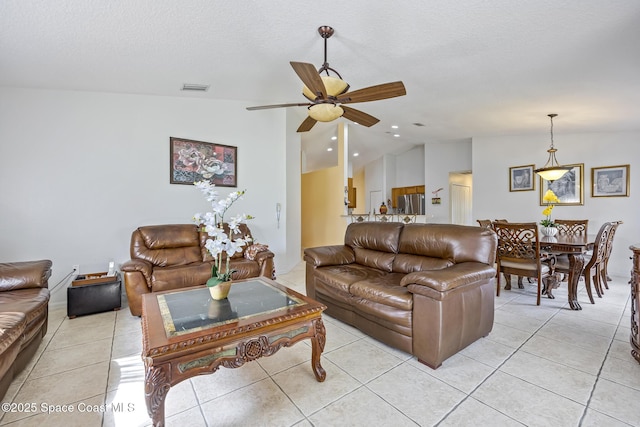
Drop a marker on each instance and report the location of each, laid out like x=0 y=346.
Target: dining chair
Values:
x=484 y=223
x=383 y=217
x=359 y=217
x=519 y=253
x=594 y=264
x=572 y=227
x=605 y=275
x=407 y=218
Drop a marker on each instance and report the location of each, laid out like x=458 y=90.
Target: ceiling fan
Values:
x=328 y=95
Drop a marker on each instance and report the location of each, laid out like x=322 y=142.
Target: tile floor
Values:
x=540 y=366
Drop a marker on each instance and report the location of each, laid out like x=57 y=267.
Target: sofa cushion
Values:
x=405 y=263
x=385 y=290
x=24 y=274
x=33 y=302
x=180 y=276
x=245 y=268
x=169 y=236
x=166 y=245
x=342 y=276
x=378 y=236
x=12 y=327
x=454 y=243
x=374 y=259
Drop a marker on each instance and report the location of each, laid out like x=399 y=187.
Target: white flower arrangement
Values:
x=212 y=223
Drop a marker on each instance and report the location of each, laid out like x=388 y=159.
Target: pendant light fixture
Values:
x=552 y=169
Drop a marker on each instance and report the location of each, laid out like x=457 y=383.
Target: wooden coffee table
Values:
x=185 y=333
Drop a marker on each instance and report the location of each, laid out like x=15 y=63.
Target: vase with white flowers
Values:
x=219 y=242
x=548 y=226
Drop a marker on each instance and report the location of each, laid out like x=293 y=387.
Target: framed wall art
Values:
x=569 y=188
x=193 y=161
x=521 y=178
x=610 y=181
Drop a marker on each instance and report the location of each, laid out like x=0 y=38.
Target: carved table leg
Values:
x=576 y=265
x=156 y=387
x=317 y=347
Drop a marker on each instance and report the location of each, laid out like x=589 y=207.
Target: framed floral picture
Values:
x=521 y=178
x=610 y=181
x=192 y=161
x=569 y=188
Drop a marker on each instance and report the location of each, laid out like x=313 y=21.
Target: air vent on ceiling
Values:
x=418 y=124
x=195 y=87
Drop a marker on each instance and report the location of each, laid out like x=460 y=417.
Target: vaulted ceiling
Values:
x=470 y=67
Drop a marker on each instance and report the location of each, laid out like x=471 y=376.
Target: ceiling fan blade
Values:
x=358 y=116
x=374 y=93
x=264 y=107
x=310 y=77
x=307 y=124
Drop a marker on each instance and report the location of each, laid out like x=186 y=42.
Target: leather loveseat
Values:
x=426 y=289
x=24 y=314
x=173 y=256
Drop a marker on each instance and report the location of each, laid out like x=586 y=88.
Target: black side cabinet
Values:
x=94 y=298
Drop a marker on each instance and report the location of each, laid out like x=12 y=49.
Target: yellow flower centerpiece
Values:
x=548 y=226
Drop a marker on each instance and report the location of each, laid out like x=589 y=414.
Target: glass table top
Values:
x=194 y=310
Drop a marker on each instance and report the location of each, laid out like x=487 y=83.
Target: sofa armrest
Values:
x=329 y=255
x=262 y=256
x=25 y=274
x=141 y=265
x=447 y=279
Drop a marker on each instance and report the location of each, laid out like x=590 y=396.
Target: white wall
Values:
x=373 y=177
x=441 y=158
x=410 y=168
x=80 y=171
x=492 y=157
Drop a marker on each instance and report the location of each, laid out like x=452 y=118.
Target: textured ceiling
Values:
x=471 y=68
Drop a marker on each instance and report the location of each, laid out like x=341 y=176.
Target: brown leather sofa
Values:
x=173 y=256
x=24 y=314
x=426 y=289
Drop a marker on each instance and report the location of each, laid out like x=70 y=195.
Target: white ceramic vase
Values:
x=549 y=231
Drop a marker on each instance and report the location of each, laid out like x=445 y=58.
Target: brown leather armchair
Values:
x=24 y=313
x=173 y=256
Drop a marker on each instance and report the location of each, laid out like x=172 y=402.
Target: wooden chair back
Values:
x=359 y=217
x=484 y=223
x=572 y=227
x=518 y=253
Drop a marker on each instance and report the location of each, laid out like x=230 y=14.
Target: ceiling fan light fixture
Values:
x=325 y=112
x=552 y=170
x=333 y=85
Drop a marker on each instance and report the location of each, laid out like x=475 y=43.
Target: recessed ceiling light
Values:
x=333 y=138
x=394 y=127
x=356 y=154
x=329 y=149
x=396 y=135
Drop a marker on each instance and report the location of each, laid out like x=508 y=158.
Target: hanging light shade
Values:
x=552 y=170
x=333 y=85
x=325 y=112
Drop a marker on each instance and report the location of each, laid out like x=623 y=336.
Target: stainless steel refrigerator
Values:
x=411 y=204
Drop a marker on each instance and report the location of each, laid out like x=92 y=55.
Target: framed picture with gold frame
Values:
x=610 y=181
x=569 y=188
x=521 y=178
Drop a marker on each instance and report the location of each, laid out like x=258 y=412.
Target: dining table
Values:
x=575 y=247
